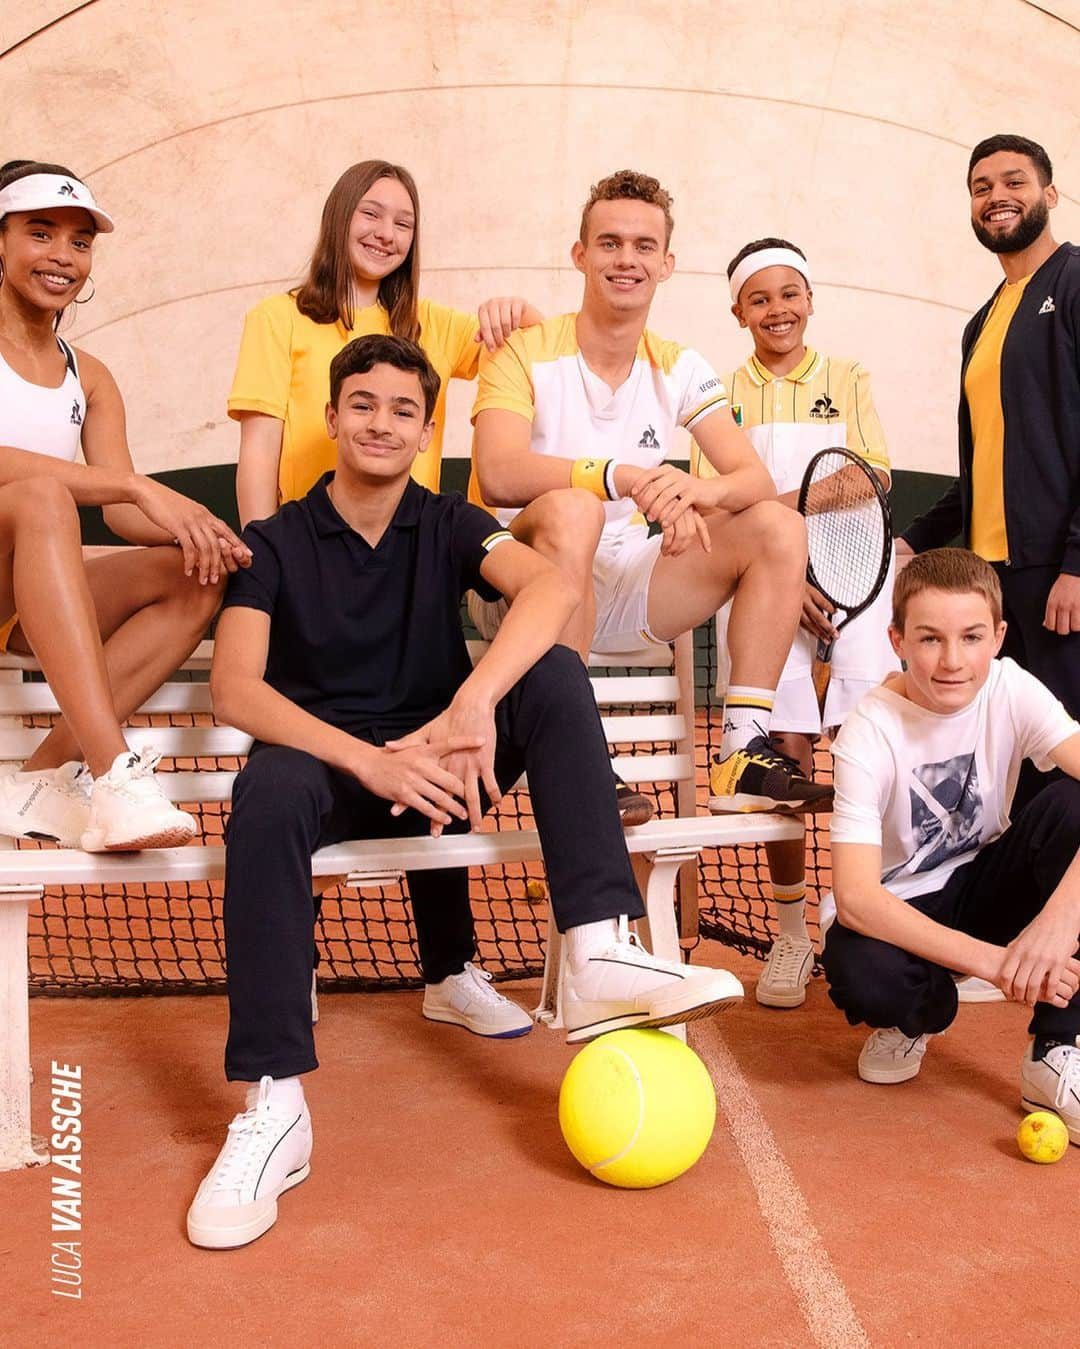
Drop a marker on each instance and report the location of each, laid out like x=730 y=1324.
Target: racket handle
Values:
x=822 y=672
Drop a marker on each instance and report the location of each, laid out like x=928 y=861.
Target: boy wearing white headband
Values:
x=575 y=419
x=793 y=401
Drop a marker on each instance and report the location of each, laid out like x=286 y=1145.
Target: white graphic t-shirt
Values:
x=932 y=789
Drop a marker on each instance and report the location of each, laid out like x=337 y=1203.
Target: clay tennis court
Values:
x=444 y=1208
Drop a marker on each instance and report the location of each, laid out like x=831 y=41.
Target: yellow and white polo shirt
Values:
x=824 y=402
x=541 y=374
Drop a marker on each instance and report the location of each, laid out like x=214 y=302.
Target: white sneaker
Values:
x=787 y=972
x=468 y=999
x=892 y=1056
x=52 y=803
x=972 y=989
x=1053 y=1083
x=267 y=1152
x=128 y=809
x=626 y=986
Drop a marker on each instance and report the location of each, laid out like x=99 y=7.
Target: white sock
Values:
x=747 y=713
x=286 y=1093
x=589 y=939
x=790 y=903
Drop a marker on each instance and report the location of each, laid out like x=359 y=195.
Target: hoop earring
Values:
x=1 y=271
x=93 y=292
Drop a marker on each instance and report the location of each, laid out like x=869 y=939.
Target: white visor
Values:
x=45 y=191
x=767 y=257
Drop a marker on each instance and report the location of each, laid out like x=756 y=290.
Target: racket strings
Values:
x=846 y=532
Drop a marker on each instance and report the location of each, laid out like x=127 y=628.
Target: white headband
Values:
x=40 y=191
x=767 y=257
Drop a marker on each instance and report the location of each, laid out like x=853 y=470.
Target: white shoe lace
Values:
x=1069 y=1082
x=74 y=779
x=249 y=1136
x=136 y=777
x=479 y=985
x=892 y=1041
x=786 y=960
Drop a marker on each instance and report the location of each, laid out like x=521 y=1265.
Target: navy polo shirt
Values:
x=367 y=639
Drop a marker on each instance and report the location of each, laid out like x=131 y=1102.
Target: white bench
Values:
x=659 y=849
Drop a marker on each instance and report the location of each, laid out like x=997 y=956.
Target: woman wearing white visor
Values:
x=107 y=632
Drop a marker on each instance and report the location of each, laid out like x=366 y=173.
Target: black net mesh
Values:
x=168 y=938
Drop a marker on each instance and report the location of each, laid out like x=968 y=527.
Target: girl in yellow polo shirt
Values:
x=363 y=278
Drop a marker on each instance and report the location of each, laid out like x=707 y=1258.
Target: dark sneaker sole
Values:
x=643 y=1021
x=634 y=808
x=757 y=805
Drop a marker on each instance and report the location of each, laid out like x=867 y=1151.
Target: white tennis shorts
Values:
x=622 y=571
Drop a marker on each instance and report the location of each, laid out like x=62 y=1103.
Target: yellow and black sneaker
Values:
x=759 y=777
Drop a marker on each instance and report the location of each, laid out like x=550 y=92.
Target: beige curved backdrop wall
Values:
x=213 y=131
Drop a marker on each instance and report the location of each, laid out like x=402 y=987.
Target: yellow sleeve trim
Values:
x=492 y=540
x=711 y=405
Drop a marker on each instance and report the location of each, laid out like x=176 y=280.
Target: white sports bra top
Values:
x=46 y=421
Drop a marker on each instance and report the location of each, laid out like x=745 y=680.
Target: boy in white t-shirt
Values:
x=792 y=401
x=931 y=879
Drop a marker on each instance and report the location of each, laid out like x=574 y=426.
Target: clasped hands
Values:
x=440 y=768
x=675 y=501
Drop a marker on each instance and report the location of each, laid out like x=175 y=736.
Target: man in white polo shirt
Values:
x=575 y=419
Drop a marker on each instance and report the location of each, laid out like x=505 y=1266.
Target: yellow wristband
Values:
x=588 y=474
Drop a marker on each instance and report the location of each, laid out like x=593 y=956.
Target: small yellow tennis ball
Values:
x=637 y=1108
x=535 y=891
x=1042 y=1137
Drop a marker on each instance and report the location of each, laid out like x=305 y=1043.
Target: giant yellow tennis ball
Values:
x=637 y=1108
x=1042 y=1137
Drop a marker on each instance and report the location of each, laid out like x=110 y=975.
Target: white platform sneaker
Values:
x=53 y=804
x=626 y=986
x=129 y=811
x=267 y=1151
x=1053 y=1083
x=468 y=999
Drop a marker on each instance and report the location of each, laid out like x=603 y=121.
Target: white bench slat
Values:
x=213 y=742
x=194 y=698
x=646 y=729
x=67 y=866
x=20 y=700
x=611 y=690
x=174 y=742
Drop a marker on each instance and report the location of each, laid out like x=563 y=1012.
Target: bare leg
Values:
x=759 y=558
x=43 y=577
x=151 y=617
x=565 y=526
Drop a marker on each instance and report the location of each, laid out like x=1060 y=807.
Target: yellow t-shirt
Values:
x=283 y=370
x=982 y=389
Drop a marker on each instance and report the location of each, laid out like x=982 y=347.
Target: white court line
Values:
x=818 y=1289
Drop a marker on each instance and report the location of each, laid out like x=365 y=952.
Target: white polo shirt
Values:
x=541 y=374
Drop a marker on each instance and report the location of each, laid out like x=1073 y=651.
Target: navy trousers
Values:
x=286 y=804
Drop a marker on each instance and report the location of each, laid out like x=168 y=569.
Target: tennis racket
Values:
x=849 y=536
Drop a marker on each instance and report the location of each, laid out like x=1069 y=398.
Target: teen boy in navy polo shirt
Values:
x=341 y=652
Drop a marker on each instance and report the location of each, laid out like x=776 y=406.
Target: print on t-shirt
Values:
x=946 y=814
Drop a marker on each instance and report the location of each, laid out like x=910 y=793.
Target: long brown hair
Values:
x=326 y=292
